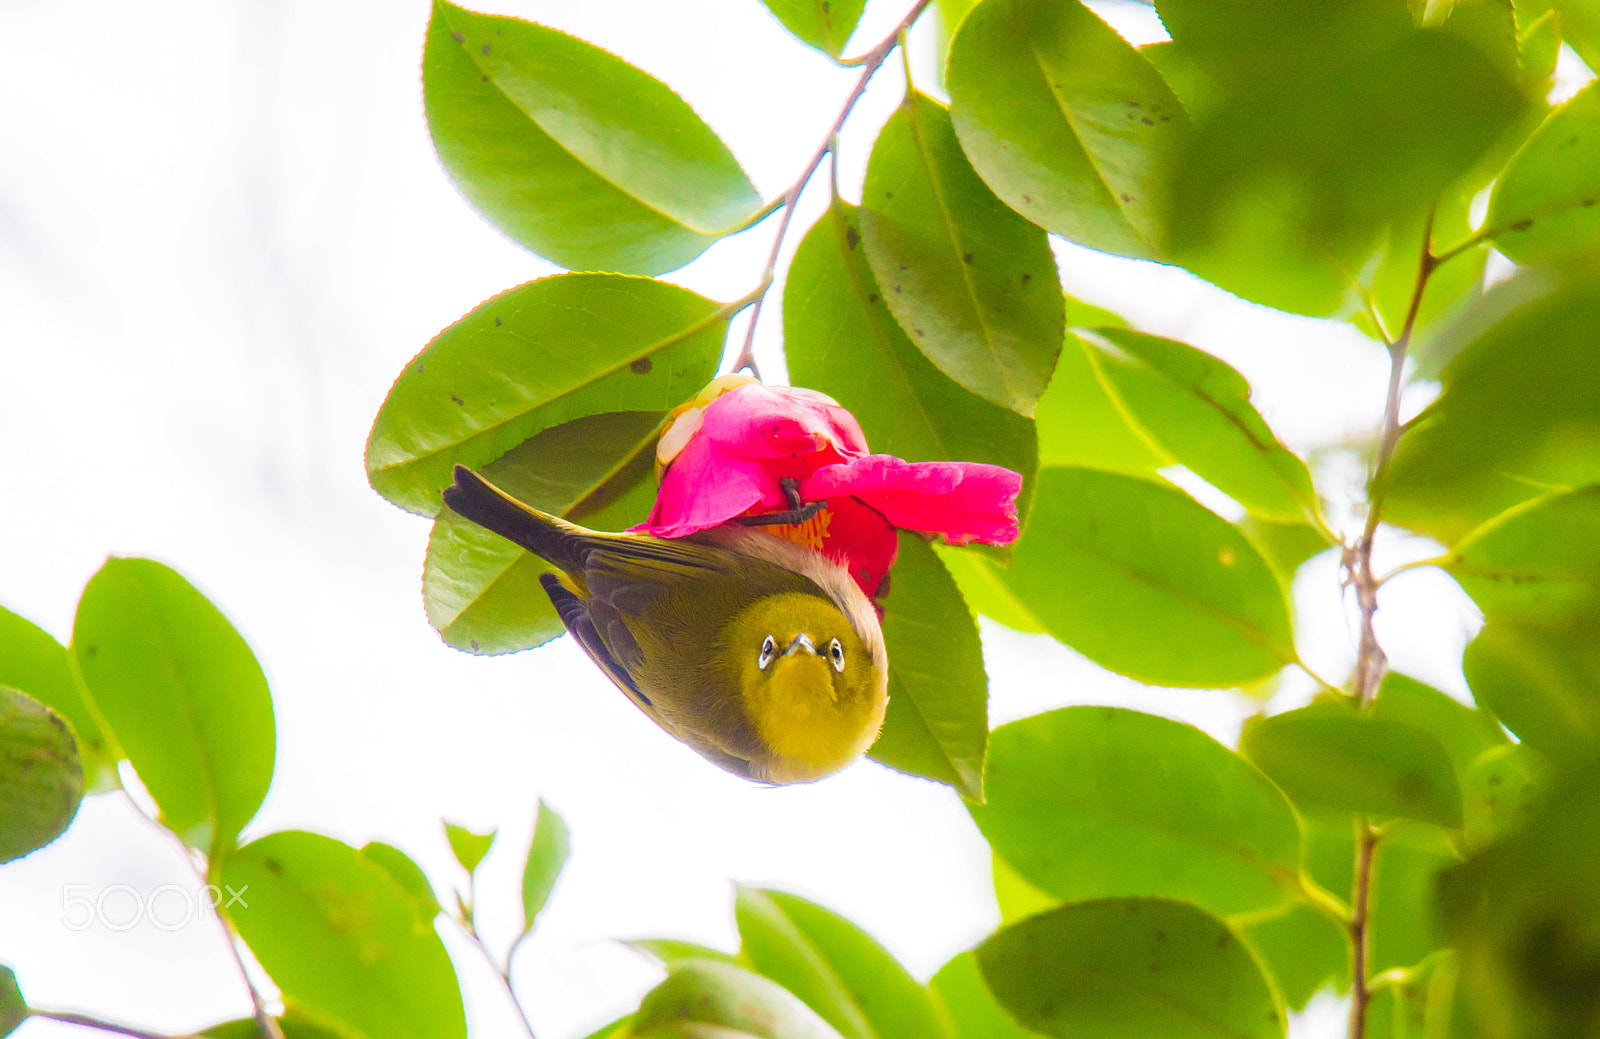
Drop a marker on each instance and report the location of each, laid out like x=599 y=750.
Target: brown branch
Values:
x=1360 y=936
x=869 y=64
x=85 y=1021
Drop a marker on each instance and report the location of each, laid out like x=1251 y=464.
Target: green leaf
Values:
x=13 y=1008
x=707 y=1000
x=837 y=969
x=672 y=952
x=1504 y=429
x=1145 y=581
x=482 y=592
x=1066 y=121
x=341 y=938
x=469 y=848
x=1130 y=967
x=1089 y=802
x=293 y=1024
x=547 y=854
x=1198 y=410
x=41 y=777
x=985 y=593
x=1580 y=28
x=1016 y=897
x=973 y=284
x=937 y=724
x=823 y=24
x=1302 y=949
x=617 y=1029
x=1498 y=792
x=34 y=663
x=1524 y=914
x=1537 y=563
x=572 y=152
x=1451 y=286
x=841 y=339
x=968 y=1003
x=1284 y=545
x=1544 y=204
x=1289 y=183
x=1328 y=758
x=407 y=874
x=1464 y=732
x=182 y=695
x=1544 y=685
x=533 y=357
x=1081 y=424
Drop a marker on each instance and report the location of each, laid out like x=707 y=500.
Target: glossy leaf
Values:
x=1014 y=895
x=841 y=339
x=973 y=284
x=837 y=969
x=531 y=358
x=969 y=1005
x=1198 y=410
x=937 y=724
x=41 y=776
x=1580 y=28
x=1519 y=413
x=183 y=696
x=1089 y=802
x=36 y=664
x=1145 y=581
x=1327 y=758
x=1464 y=732
x=547 y=854
x=1066 y=121
x=341 y=938
x=1081 y=424
x=572 y=152
x=293 y=1024
x=407 y=874
x=1545 y=203
x=469 y=848
x=823 y=24
x=1544 y=685
x=672 y=952
x=1525 y=915
x=1302 y=949
x=13 y=1008
x=1168 y=969
x=1499 y=791
x=707 y=1000
x=1538 y=563
x=981 y=587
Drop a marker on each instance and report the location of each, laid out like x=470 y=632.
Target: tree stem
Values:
x=869 y=64
x=85 y=1021
x=1360 y=936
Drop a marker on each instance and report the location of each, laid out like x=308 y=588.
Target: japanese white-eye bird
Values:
x=763 y=656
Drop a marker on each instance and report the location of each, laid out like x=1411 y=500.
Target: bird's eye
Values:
x=836 y=654
x=769 y=649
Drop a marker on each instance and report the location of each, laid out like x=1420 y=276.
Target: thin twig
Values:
x=470 y=932
x=85 y=1021
x=1360 y=991
x=869 y=64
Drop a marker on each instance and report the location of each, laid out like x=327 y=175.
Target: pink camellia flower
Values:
x=726 y=454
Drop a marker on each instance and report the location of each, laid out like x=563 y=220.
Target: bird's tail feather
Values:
x=558 y=542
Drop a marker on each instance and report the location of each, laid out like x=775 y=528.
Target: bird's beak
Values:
x=800 y=641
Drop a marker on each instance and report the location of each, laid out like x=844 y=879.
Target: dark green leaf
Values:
x=1247 y=42
x=937 y=724
x=1197 y=410
x=1464 y=732
x=572 y=152
x=837 y=969
x=1498 y=791
x=968 y=1003
x=824 y=24
x=183 y=697
x=1303 y=950
x=341 y=938
x=469 y=848
x=1545 y=203
x=1143 y=580
x=533 y=357
x=973 y=284
x=1537 y=563
x=41 y=777
x=1506 y=427
x=1132 y=967
x=1328 y=758
x=34 y=663
x=547 y=854
x=13 y=1008
x=407 y=874
x=840 y=338
x=707 y=1000
x=671 y=952
x=1525 y=915
x=1066 y=121
x=1544 y=685
x=1088 y=802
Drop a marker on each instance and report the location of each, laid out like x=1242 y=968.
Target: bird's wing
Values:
x=575 y=616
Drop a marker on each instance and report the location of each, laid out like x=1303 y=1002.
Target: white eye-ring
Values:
x=769 y=649
x=836 y=654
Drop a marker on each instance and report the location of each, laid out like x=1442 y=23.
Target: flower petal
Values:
x=707 y=486
x=775 y=421
x=966 y=501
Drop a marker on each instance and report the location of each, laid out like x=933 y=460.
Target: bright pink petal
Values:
x=775 y=422
x=965 y=501
x=706 y=486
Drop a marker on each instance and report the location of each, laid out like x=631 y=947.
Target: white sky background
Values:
x=222 y=234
